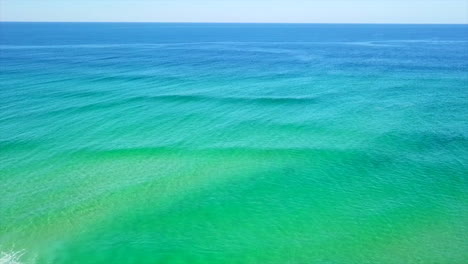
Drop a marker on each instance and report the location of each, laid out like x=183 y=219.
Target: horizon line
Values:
x=209 y=22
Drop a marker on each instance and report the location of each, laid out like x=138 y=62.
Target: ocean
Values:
x=233 y=143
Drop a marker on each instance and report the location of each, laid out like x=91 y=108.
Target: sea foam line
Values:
x=172 y=44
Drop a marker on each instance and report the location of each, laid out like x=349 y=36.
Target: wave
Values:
x=188 y=98
x=222 y=151
x=170 y=98
x=228 y=99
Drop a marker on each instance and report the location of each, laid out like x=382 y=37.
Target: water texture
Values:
x=233 y=143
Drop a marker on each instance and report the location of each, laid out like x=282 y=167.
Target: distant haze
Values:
x=256 y=11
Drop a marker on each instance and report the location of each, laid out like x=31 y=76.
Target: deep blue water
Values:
x=150 y=33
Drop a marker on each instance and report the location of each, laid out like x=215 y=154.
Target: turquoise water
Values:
x=217 y=143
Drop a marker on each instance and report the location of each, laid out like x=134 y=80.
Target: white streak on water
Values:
x=12 y=257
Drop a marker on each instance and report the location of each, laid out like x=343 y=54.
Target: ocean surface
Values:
x=233 y=143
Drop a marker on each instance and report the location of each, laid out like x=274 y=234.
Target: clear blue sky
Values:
x=288 y=11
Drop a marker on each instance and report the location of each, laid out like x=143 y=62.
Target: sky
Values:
x=255 y=11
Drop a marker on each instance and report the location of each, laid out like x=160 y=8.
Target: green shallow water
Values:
x=254 y=151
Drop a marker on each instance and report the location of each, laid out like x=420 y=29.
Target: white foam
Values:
x=12 y=257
